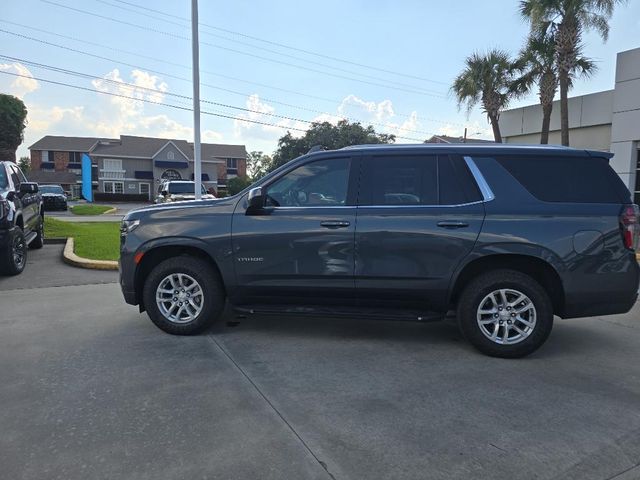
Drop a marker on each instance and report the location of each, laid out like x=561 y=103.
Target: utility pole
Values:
x=197 y=149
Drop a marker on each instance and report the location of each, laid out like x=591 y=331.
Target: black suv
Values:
x=53 y=197
x=504 y=237
x=21 y=218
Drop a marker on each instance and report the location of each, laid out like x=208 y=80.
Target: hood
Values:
x=141 y=212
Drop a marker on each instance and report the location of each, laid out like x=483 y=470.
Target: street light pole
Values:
x=197 y=151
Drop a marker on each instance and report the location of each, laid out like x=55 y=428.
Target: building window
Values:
x=114 y=187
x=75 y=157
x=145 y=188
x=112 y=168
x=171 y=175
x=232 y=166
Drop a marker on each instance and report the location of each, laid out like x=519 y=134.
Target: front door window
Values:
x=317 y=184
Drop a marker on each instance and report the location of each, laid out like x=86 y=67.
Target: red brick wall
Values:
x=222 y=172
x=242 y=167
x=61 y=160
x=36 y=159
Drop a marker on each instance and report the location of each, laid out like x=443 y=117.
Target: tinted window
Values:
x=457 y=185
x=402 y=180
x=13 y=173
x=186 y=187
x=51 y=189
x=321 y=183
x=567 y=179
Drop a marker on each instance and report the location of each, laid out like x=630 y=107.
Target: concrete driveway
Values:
x=89 y=388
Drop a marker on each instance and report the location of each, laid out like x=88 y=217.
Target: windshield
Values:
x=3 y=178
x=51 y=189
x=184 y=187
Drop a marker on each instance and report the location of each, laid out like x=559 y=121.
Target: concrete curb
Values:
x=638 y=256
x=69 y=256
x=111 y=210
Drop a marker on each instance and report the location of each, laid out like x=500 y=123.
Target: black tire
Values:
x=8 y=263
x=479 y=289
x=213 y=296
x=38 y=242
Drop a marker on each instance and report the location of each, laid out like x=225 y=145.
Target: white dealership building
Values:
x=608 y=120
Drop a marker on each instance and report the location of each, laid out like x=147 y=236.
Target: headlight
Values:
x=128 y=226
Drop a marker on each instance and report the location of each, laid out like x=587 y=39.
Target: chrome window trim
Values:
x=484 y=187
x=422 y=206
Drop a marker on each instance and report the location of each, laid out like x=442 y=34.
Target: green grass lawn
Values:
x=87 y=209
x=95 y=240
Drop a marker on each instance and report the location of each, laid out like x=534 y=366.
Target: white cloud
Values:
x=20 y=86
x=107 y=116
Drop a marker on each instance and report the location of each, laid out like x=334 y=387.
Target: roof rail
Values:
x=316 y=148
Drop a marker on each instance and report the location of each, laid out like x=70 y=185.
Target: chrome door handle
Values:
x=452 y=224
x=334 y=224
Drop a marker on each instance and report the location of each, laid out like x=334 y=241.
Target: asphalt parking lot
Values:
x=89 y=388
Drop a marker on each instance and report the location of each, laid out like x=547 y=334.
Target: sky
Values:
x=281 y=64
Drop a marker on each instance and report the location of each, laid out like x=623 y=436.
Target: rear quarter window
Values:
x=567 y=179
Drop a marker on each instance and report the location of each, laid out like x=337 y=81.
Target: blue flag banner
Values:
x=87 y=191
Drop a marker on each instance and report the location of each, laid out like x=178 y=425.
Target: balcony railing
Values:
x=115 y=174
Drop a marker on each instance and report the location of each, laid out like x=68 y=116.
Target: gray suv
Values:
x=503 y=237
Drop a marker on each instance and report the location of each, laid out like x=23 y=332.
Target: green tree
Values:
x=258 y=164
x=237 y=184
x=538 y=59
x=25 y=164
x=328 y=136
x=489 y=80
x=13 y=120
x=567 y=20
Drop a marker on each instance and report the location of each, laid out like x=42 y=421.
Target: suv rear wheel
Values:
x=505 y=313
x=14 y=257
x=183 y=295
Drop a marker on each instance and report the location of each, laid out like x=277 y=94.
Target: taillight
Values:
x=630 y=227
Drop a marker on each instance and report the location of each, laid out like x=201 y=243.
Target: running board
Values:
x=31 y=237
x=342 y=311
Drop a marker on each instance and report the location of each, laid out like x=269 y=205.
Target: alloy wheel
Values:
x=179 y=297
x=506 y=316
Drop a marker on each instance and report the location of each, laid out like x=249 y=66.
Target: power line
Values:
x=175 y=95
x=302 y=50
x=294 y=57
x=168 y=62
x=179 y=107
x=240 y=52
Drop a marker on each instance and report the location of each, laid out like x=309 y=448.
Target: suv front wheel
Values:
x=14 y=257
x=505 y=313
x=183 y=295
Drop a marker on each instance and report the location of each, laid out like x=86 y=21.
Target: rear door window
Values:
x=457 y=185
x=567 y=179
x=401 y=180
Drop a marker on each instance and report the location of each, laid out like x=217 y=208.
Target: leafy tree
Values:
x=567 y=20
x=490 y=80
x=237 y=184
x=538 y=59
x=25 y=164
x=13 y=120
x=258 y=164
x=328 y=136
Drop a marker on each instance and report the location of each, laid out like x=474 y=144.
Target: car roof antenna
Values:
x=315 y=148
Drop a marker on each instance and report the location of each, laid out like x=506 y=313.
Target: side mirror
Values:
x=255 y=200
x=29 y=187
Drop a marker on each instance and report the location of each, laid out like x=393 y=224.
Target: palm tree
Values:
x=567 y=20
x=487 y=79
x=538 y=60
